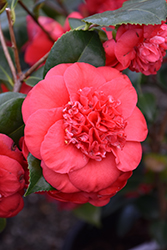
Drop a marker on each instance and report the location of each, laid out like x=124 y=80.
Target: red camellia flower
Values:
x=91 y=7
x=141 y=48
x=11 y=178
x=83 y=124
x=39 y=43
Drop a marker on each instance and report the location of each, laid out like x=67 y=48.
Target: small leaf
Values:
x=76 y=46
x=37 y=181
x=2 y=224
x=134 y=12
x=32 y=81
x=89 y=213
x=147 y=104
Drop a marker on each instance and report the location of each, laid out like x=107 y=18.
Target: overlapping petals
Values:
x=141 y=48
x=83 y=124
x=12 y=179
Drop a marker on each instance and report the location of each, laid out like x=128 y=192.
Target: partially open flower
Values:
x=11 y=177
x=139 y=47
x=83 y=124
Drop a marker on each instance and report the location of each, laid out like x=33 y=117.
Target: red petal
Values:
x=95 y=175
x=37 y=127
x=130 y=156
x=81 y=75
x=58 y=155
x=136 y=128
x=121 y=89
x=47 y=94
x=58 y=70
x=59 y=181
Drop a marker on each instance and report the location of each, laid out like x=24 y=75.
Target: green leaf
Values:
x=147 y=104
x=37 y=181
x=134 y=12
x=32 y=81
x=89 y=213
x=11 y=122
x=76 y=46
x=76 y=23
x=4 y=97
x=2 y=224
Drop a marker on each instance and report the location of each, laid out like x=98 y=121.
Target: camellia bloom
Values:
x=91 y=7
x=11 y=177
x=83 y=124
x=39 y=43
x=141 y=48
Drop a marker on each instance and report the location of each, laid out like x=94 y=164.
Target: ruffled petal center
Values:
x=94 y=124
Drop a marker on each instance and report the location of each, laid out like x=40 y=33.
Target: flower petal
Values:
x=129 y=157
x=78 y=197
x=109 y=73
x=58 y=70
x=95 y=175
x=136 y=128
x=81 y=75
x=51 y=93
x=37 y=127
x=121 y=89
x=61 y=157
x=124 y=48
x=59 y=181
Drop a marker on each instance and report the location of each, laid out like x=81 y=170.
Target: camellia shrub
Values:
x=83 y=107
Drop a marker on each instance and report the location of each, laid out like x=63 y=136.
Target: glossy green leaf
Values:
x=89 y=213
x=76 y=46
x=7 y=96
x=2 y=224
x=134 y=12
x=11 y=122
x=32 y=81
x=147 y=104
x=37 y=181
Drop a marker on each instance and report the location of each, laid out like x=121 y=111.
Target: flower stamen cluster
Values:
x=94 y=124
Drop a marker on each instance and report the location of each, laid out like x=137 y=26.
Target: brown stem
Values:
x=33 y=17
x=9 y=60
x=34 y=67
x=13 y=40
